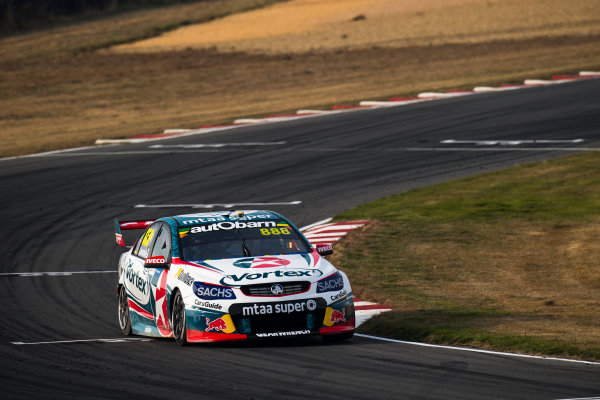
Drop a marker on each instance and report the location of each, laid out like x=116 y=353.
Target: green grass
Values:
x=534 y=191
x=505 y=260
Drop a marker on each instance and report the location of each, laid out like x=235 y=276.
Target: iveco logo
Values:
x=277 y=289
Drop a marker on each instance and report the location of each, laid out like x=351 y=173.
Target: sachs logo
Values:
x=261 y=262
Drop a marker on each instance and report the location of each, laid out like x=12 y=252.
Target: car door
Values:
x=137 y=280
x=160 y=247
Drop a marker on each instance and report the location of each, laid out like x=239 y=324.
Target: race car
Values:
x=231 y=275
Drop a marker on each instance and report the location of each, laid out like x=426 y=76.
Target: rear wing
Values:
x=128 y=225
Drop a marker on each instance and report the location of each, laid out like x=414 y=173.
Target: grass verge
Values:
x=507 y=260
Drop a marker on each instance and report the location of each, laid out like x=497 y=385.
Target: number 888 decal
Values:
x=274 y=231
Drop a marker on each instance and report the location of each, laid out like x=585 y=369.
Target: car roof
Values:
x=224 y=216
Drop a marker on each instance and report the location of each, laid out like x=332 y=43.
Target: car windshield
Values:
x=233 y=239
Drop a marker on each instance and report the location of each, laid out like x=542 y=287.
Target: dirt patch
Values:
x=307 y=25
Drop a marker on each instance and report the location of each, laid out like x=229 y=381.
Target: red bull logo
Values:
x=337 y=316
x=217 y=325
x=223 y=324
x=333 y=316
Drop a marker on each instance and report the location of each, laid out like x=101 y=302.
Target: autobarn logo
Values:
x=238 y=280
x=287 y=307
x=229 y=225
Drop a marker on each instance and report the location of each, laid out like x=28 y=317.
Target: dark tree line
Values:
x=19 y=15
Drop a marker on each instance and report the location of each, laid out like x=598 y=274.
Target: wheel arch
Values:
x=175 y=290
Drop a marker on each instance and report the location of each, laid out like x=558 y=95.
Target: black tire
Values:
x=338 y=337
x=123 y=312
x=178 y=320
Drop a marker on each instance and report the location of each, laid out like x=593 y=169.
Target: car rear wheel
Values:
x=124 y=318
x=178 y=320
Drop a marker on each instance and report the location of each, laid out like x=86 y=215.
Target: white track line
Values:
x=116 y=340
x=213 y=205
x=584 y=398
x=498 y=353
x=492 y=142
x=331 y=150
x=307 y=227
x=48 y=153
x=496 y=149
x=55 y=273
x=214 y=145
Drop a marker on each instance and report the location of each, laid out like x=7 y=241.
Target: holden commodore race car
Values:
x=222 y=276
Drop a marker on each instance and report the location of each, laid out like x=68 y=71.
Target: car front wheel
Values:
x=178 y=320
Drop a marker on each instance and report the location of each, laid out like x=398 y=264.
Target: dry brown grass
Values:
x=504 y=255
x=545 y=277
x=55 y=92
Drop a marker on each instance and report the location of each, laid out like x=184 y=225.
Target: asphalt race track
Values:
x=58 y=277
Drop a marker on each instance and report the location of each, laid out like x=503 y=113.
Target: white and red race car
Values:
x=231 y=275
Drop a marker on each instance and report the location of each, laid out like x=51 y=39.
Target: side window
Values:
x=136 y=246
x=162 y=244
x=145 y=241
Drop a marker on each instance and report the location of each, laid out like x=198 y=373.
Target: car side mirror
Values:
x=324 y=249
x=156 y=262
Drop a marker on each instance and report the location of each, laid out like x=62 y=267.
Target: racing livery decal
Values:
x=261 y=262
x=162 y=319
x=223 y=324
x=230 y=275
x=333 y=316
x=238 y=280
x=137 y=285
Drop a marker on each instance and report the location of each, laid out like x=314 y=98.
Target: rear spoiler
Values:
x=128 y=225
